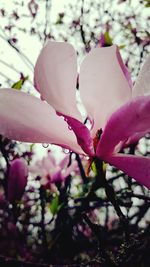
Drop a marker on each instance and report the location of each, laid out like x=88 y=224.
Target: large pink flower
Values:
x=112 y=104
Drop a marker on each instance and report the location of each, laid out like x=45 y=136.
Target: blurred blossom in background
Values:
x=27 y=25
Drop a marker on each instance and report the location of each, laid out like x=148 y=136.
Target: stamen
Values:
x=97 y=138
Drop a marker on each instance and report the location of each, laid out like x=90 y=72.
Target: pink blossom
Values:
x=17 y=179
x=119 y=111
x=52 y=171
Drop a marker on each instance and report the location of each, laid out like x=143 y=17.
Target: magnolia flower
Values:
x=17 y=179
x=52 y=171
x=120 y=112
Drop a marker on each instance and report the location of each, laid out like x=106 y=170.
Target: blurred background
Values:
x=25 y=26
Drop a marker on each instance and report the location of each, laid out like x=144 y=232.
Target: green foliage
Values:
x=108 y=39
x=32 y=147
x=60 y=19
x=147 y=3
x=18 y=85
x=121 y=46
x=94 y=169
x=55 y=205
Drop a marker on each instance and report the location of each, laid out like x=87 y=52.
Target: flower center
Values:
x=97 y=138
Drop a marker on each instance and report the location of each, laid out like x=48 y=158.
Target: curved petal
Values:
x=124 y=68
x=136 y=167
x=142 y=85
x=128 y=124
x=51 y=158
x=82 y=134
x=55 y=77
x=26 y=118
x=103 y=85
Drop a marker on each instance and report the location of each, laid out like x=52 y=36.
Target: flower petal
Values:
x=82 y=133
x=135 y=166
x=64 y=162
x=37 y=169
x=124 y=68
x=142 y=85
x=51 y=158
x=103 y=85
x=55 y=77
x=48 y=165
x=127 y=125
x=26 y=118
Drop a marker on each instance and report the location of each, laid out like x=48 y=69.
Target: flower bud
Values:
x=17 y=179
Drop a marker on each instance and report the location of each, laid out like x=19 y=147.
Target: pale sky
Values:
x=8 y=54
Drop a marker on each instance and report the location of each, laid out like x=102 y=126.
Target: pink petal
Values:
x=56 y=177
x=51 y=158
x=64 y=162
x=142 y=85
x=126 y=125
x=28 y=119
x=47 y=164
x=55 y=77
x=103 y=85
x=124 y=68
x=83 y=135
x=37 y=169
x=136 y=167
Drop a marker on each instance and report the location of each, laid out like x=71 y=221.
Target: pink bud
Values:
x=17 y=179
